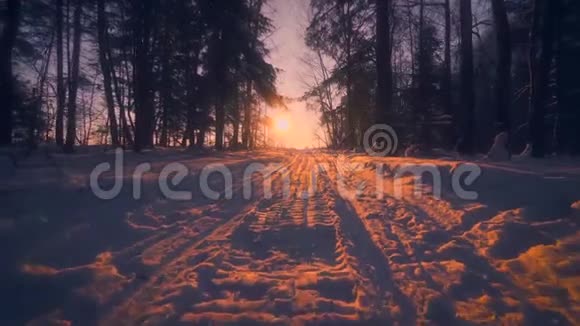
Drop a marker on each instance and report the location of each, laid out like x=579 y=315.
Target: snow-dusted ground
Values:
x=344 y=253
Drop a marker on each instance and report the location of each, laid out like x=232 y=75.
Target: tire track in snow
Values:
x=281 y=266
x=171 y=231
x=290 y=261
x=121 y=303
x=435 y=266
x=367 y=251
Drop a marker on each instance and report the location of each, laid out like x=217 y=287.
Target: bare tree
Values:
x=321 y=91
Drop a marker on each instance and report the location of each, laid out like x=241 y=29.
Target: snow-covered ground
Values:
x=342 y=246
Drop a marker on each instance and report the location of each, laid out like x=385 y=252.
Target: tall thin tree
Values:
x=384 y=94
x=504 y=65
x=447 y=81
x=144 y=108
x=60 y=88
x=71 y=130
x=106 y=70
x=467 y=145
x=540 y=72
x=7 y=81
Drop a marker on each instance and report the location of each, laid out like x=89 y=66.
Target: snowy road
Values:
x=331 y=250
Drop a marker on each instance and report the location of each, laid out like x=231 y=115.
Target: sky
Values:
x=287 y=49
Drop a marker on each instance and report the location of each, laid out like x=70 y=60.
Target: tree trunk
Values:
x=165 y=95
x=192 y=92
x=144 y=109
x=189 y=135
x=35 y=122
x=424 y=82
x=504 y=65
x=467 y=145
x=60 y=89
x=7 y=85
x=106 y=68
x=350 y=116
x=248 y=102
x=218 y=72
x=166 y=74
x=411 y=37
x=447 y=84
x=384 y=92
x=532 y=62
x=220 y=121
x=541 y=75
x=201 y=136
x=127 y=138
x=236 y=119
x=568 y=77
x=74 y=80
x=247 y=116
x=164 y=137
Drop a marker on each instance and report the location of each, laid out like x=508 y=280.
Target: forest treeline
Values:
x=135 y=73
x=448 y=73
x=444 y=73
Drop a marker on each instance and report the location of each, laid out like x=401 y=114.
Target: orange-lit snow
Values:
x=510 y=257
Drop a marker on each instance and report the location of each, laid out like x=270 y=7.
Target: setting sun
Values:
x=282 y=124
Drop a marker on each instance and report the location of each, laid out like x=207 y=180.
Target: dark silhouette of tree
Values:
x=504 y=65
x=384 y=93
x=467 y=143
x=447 y=79
x=195 y=72
x=71 y=130
x=106 y=70
x=542 y=56
x=426 y=79
x=568 y=76
x=7 y=84
x=60 y=88
x=142 y=19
